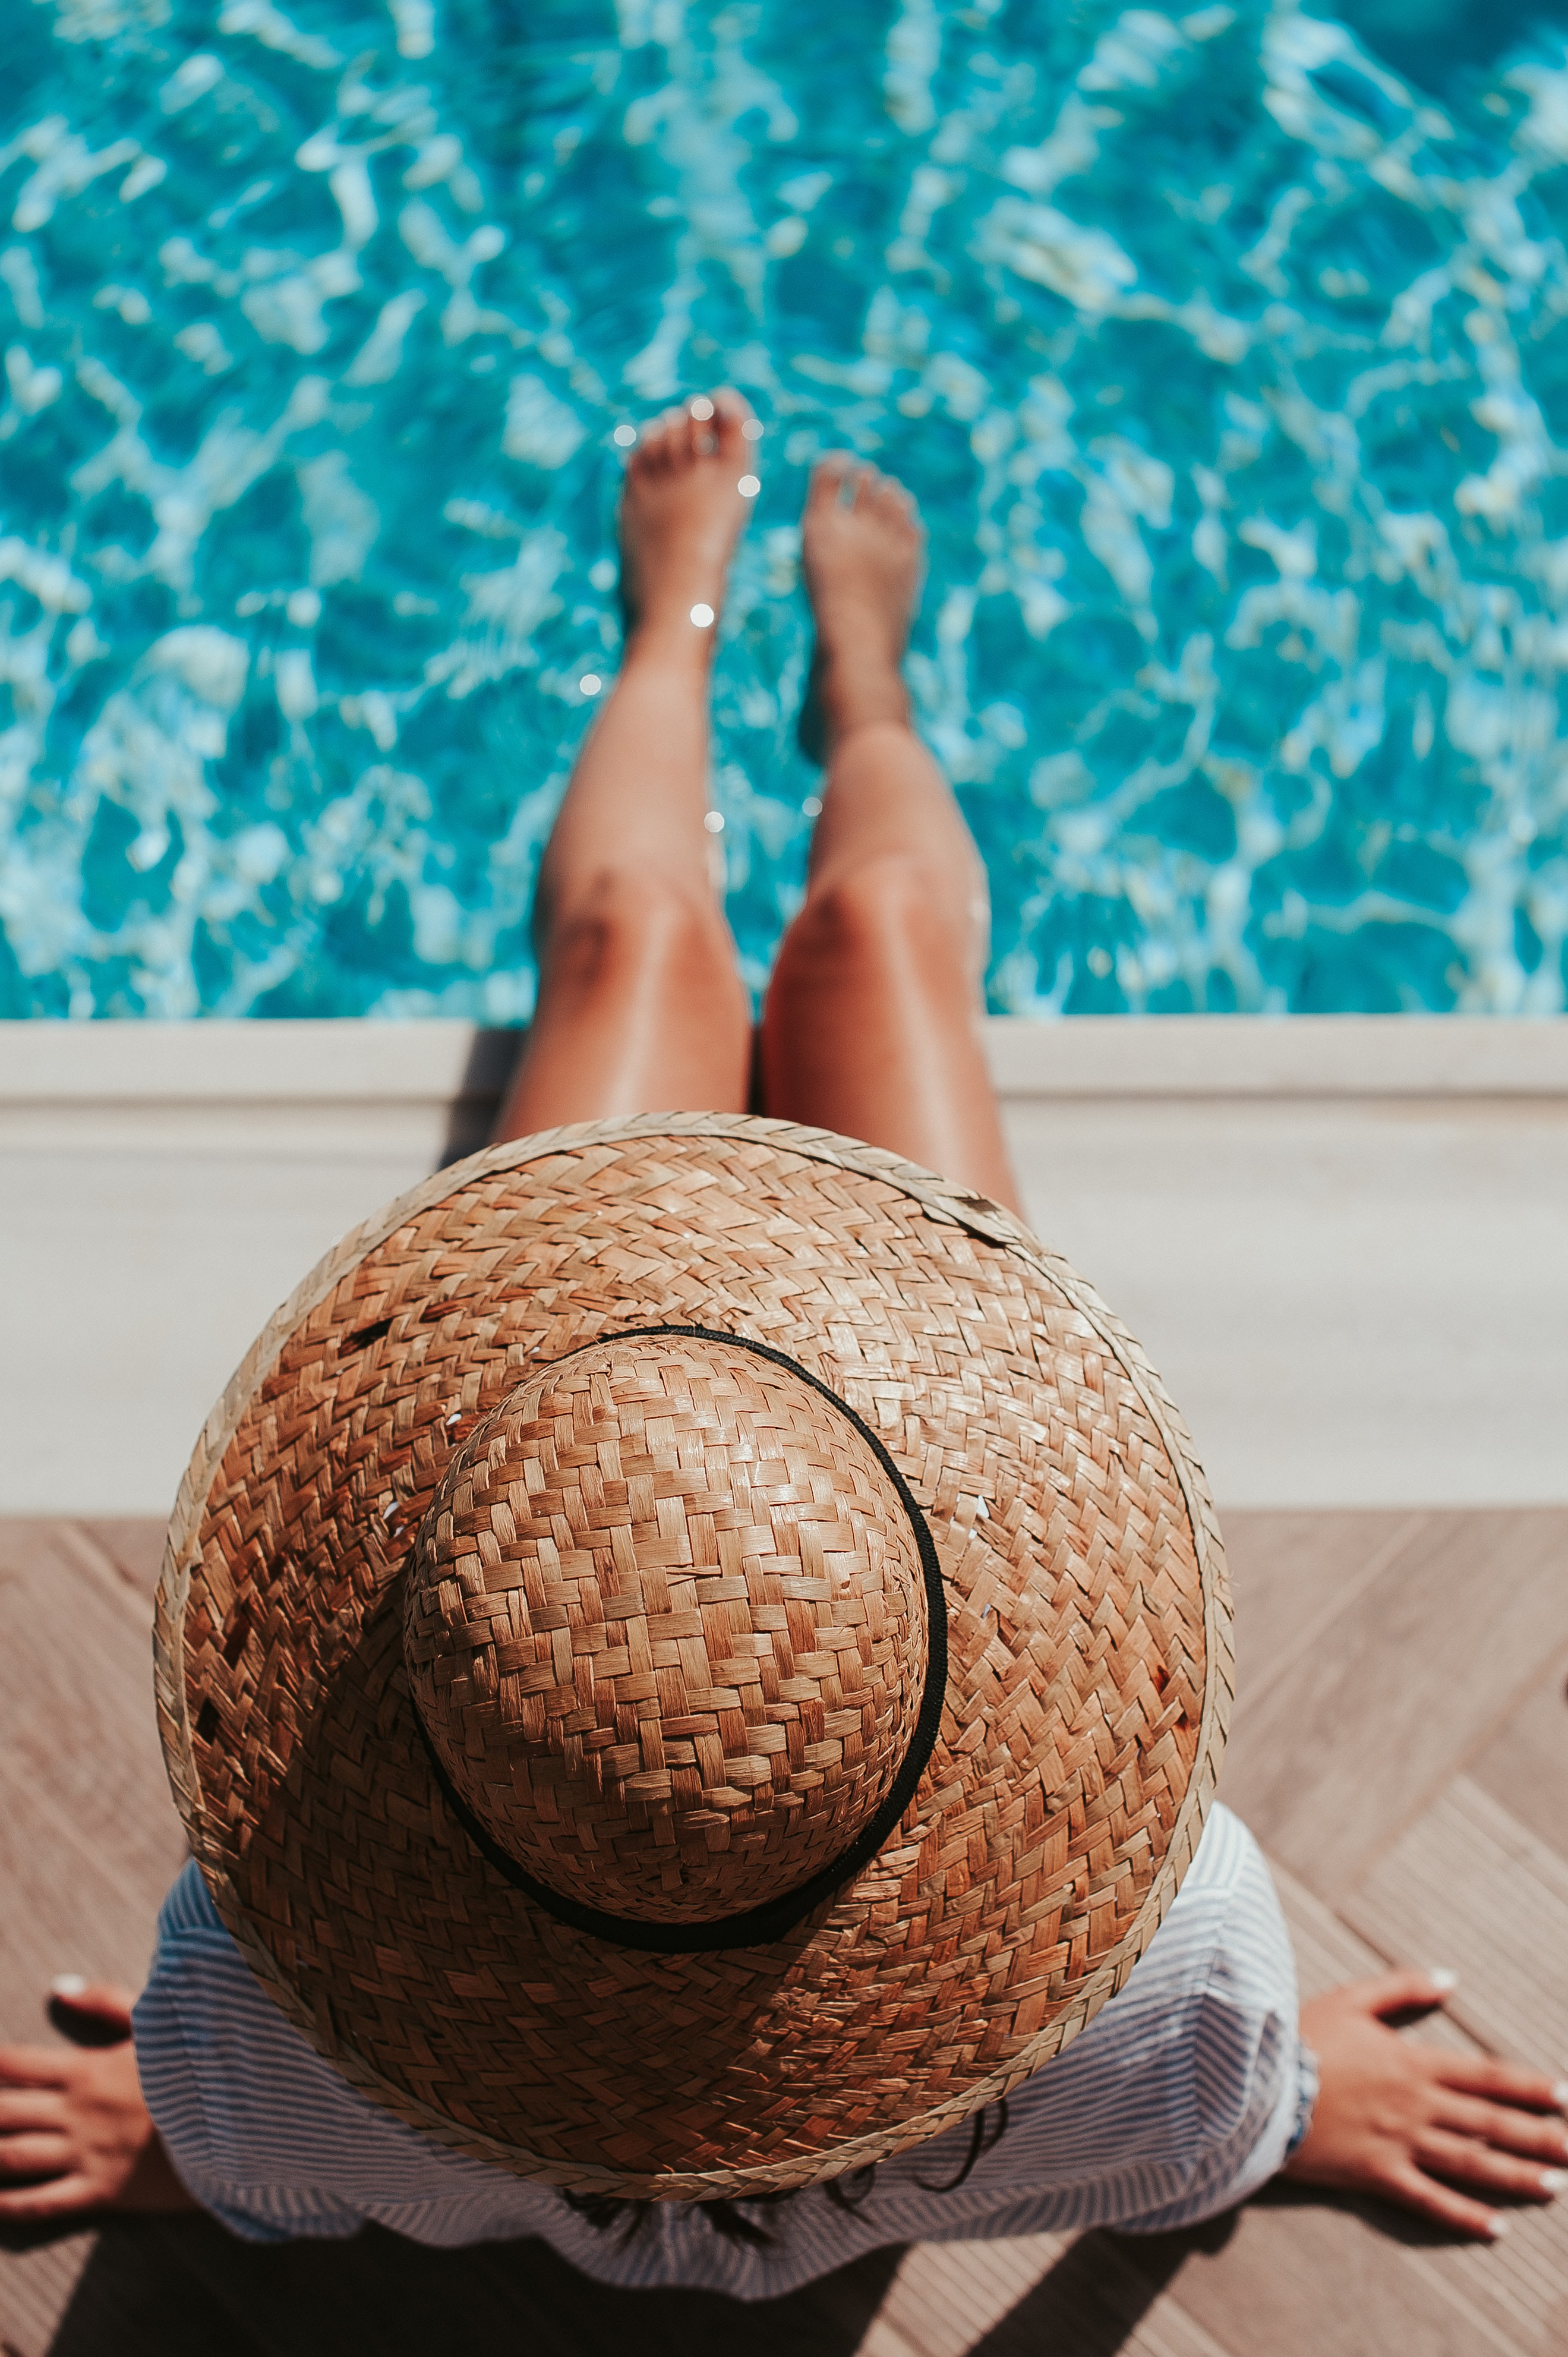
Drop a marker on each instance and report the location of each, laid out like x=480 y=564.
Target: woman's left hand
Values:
x=75 y=2135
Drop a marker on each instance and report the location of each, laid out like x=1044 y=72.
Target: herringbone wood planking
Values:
x=1468 y=1887
x=1419 y=1669
x=1291 y=1575
x=1525 y=1766
x=76 y=1728
x=88 y=1838
x=1296 y=2278
x=134 y=1545
x=1516 y=2289
x=939 y=2301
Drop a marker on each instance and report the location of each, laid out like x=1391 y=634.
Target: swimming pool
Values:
x=1225 y=362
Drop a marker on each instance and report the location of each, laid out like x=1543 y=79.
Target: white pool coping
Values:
x=1343 y=1240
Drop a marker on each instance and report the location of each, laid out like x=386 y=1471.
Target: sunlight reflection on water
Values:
x=1223 y=361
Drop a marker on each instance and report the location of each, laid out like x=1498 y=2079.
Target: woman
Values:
x=1194 y=2084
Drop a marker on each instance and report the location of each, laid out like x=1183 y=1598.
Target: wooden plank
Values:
x=946 y=2295
x=1090 y=2301
x=135 y=2297
x=77 y=1725
x=1315 y=2276
x=1294 y=2275
x=71 y=1906
x=1470 y=1888
x=89 y=1838
x=1290 y=1573
x=1525 y=1766
x=379 y=2296
x=135 y=1543
x=1415 y=1673
x=1509 y=2291
x=1327 y=1950
x=67 y=1909
x=36 y=2287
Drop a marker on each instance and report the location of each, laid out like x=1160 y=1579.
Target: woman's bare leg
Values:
x=872 y=1023
x=641 y=1008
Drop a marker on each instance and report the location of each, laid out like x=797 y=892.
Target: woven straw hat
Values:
x=693 y=1654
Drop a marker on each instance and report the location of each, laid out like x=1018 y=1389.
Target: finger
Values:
x=1504 y=2083
x=1539 y=2135
x=35 y=2155
x=1431 y=2198
x=1410 y=1991
x=30 y=2108
x=58 y=2199
x=1469 y=2163
x=32 y=2066
x=91 y=2013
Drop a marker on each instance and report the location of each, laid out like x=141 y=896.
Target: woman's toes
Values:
x=648 y=458
x=656 y=445
x=828 y=479
x=731 y=417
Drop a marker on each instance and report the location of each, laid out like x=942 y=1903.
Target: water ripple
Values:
x=1226 y=365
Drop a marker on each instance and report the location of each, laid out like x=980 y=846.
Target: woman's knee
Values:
x=622 y=929
x=882 y=911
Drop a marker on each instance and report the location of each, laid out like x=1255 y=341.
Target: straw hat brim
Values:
x=1089 y=1686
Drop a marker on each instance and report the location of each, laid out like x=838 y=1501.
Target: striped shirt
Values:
x=1184 y=2095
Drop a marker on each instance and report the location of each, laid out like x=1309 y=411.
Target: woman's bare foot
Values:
x=681 y=511
x=1412 y=2123
x=864 y=550
x=74 y=2132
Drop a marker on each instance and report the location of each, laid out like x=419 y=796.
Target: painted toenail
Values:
x=1496 y=2227
x=1552 y=2181
x=748 y=486
x=752 y=429
x=701 y=408
x=625 y=437
x=1559 y=2095
x=1442 y=1978
x=703 y=616
x=68 y=1985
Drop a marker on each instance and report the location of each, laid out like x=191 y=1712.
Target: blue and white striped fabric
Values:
x=1182 y=2097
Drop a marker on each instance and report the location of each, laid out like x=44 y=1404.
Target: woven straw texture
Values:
x=666 y=1628
x=458 y=1344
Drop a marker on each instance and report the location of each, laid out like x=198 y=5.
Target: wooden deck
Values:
x=1401 y=1749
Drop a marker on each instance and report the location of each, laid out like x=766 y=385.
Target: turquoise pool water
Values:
x=1227 y=361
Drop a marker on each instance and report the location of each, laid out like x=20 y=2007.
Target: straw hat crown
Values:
x=666 y=1629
